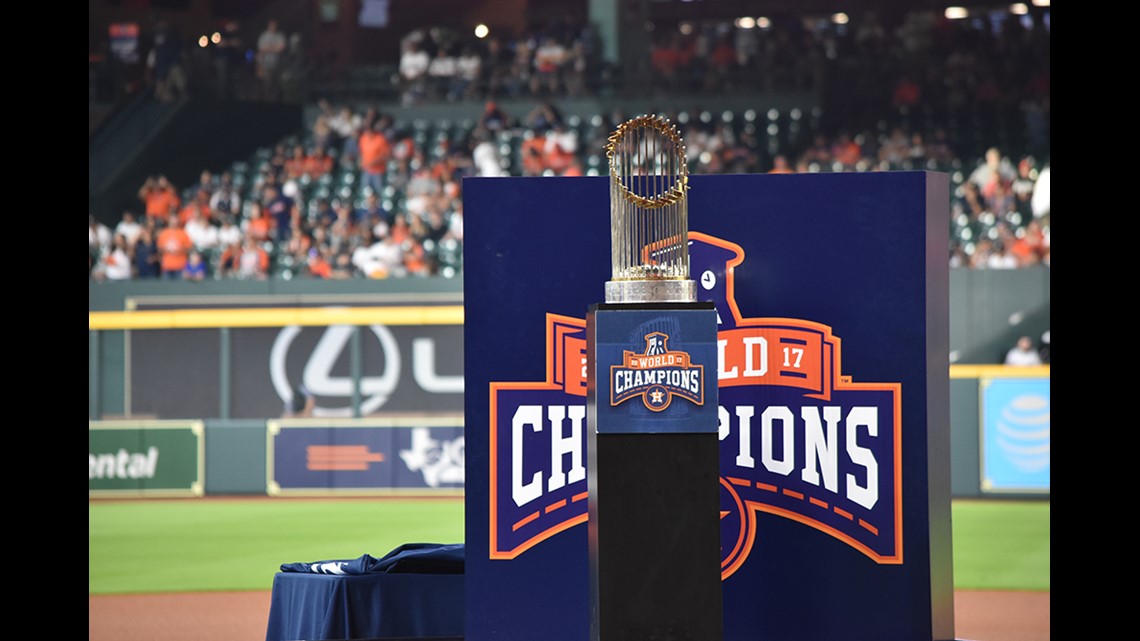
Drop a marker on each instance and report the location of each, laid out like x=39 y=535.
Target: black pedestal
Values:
x=654 y=489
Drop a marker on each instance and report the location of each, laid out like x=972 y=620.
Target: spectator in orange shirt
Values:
x=533 y=153
x=253 y=261
x=415 y=259
x=780 y=165
x=159 y=196
x=559 y=149
x=247 y=259
x=1030 y=248
x=846 y=151
x=400 y=231
x=319 y=266
x=228 y=261
x=295 y=164
x=174 y=247
x=258 y=226
x=189 y=212
x=375 y=152
x=318 y=163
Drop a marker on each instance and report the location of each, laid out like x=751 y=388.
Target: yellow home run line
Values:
x=392 y=315
x=275 y=317
x=999 y=371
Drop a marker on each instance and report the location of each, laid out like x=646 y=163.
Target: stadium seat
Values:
x=450 y=255
x=794 y=129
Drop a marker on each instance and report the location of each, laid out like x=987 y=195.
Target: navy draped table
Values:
x=416 y=591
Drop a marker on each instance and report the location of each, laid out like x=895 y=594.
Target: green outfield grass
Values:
x=211 y=545
x=1001 y=545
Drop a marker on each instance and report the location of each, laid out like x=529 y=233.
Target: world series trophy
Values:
x=652 y=443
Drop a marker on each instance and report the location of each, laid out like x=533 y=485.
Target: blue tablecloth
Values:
x=374 y=599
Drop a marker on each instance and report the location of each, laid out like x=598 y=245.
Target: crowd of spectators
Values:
x=358 y=194
x=247 y=62
x=561 y=59
x=988 y=73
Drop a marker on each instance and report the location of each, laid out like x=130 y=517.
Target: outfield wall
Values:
x=420 y=455
x=999 y=447
x=227 y=354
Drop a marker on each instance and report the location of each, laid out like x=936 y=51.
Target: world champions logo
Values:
x=799 y=439
x=657 y=375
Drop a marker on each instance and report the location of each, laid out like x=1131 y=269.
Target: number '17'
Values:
x=791 y=354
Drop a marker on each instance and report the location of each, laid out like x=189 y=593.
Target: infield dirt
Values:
x=243 y=616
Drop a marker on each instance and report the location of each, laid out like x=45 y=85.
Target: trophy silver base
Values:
x=651 y=291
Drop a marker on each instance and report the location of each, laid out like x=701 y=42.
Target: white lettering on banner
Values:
x=744 y=415
x=865 y=495
x=686 y=379
x=563 y=444
x=822 y=445
x=816 y=433
x=123 y=465
x=755 y=358
x=820 y=448
x=768 y=419
x=524 y=493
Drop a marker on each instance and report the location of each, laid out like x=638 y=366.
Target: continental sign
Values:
x=145 y=458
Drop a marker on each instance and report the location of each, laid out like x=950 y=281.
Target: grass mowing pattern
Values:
x=190 y=545
x=210 y=545
x=1001 y=545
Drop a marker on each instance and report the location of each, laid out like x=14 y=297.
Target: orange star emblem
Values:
x=657 y=396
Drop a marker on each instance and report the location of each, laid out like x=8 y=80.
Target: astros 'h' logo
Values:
x=657 y=375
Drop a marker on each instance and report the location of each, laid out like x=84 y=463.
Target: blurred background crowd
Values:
x=369 y=182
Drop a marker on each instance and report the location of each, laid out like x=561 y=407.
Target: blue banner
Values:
x=829 y=293
x=410 y=455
